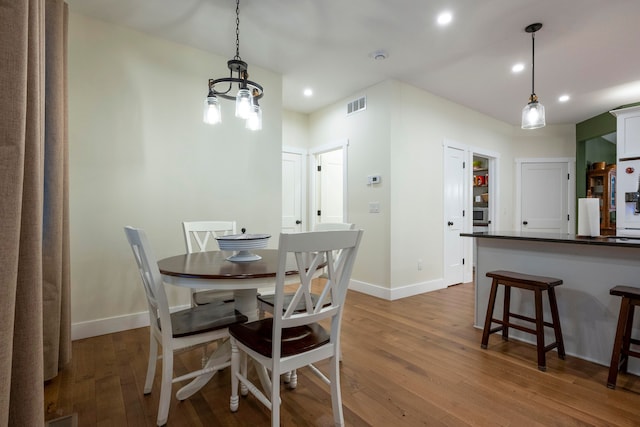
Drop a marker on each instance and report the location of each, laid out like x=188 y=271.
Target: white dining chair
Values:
x=200 y=236
x=292 y=338
x=178 y=331
x=266 y=301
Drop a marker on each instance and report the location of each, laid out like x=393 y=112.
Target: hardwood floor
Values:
x=415 y=361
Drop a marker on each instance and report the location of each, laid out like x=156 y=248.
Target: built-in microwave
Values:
x=480 y=215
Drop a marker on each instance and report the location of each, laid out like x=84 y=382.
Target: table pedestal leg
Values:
x=246 y=302
x=220 y=356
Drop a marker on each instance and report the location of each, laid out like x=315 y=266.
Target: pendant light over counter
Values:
x=248 y=93
x=533 y=112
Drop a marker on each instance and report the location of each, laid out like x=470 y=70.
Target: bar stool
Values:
x=537 y=284
x=621 y=345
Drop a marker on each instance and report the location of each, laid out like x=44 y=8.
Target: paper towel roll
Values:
x=589 y=217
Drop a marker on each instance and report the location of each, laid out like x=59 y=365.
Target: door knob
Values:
x=449 y=223
x=524 y=223
x=298 y=222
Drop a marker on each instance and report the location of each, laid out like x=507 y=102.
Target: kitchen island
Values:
x=589 y=267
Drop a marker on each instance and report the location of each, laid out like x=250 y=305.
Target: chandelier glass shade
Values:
x=211 y=110
x=254 y=121
x=247 y=95
x=533 y=116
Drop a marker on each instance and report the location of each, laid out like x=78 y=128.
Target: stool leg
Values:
x=553 y=304
x=506 y=308
x=487 y=322
x=626 y=339
x=542 y=361
x=617 y=343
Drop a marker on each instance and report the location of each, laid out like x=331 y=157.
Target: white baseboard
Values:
x=94 y=328
x=398 y=292
x=109 y=325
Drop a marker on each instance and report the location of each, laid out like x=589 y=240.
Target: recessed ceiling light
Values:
x=564 y=98
x=445 y=18
x=308 y=92
x=517 y=68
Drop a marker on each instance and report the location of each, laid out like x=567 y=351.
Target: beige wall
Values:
x=295 y=130
x=140 y=155
x=368 y=133
x=400 y=136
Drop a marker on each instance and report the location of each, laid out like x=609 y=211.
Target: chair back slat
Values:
x=200 y=236
x=151 y=279
x=336 y=250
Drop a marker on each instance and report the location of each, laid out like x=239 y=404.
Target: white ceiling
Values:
x=587 y=49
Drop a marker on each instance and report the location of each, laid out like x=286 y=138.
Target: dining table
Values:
x=213 y=270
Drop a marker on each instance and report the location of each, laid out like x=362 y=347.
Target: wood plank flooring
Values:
x=413 y=362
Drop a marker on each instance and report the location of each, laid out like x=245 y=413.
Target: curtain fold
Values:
x=55 y=233
x=30 y=198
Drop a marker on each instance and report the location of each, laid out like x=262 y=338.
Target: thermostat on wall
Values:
x=373 y=179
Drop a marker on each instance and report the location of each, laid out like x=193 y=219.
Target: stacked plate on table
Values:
x=243 y=244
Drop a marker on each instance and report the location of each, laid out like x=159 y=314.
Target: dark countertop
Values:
x=558 y=238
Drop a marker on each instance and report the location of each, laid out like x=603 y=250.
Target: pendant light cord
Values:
x=533 y=62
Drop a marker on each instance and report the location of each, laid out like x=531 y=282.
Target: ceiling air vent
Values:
x=357 y=105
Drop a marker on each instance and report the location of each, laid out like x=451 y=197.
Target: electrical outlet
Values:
x=374 y=207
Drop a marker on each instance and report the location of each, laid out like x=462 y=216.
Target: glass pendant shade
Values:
x=533 y=115
x=211 y=112
x=244 y=101
x=254 y=122
x=533 y=112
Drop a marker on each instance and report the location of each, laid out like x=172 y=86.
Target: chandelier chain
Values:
x=237 y=30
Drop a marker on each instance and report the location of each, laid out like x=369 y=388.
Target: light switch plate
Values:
x=373 y=179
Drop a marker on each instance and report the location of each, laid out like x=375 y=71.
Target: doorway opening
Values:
x=294 y=194
x=480 y=193
x=463 y=185
x=329 y=184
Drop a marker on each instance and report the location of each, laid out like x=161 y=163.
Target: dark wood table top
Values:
x=213 y=265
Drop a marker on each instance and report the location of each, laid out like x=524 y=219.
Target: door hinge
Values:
x=462 y=261
x=319 y=168
x=319 y=212
x=463 y=212
x=464 y=165
x=568 y=176
x=567 y=217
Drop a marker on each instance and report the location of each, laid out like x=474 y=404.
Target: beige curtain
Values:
x=34 y=230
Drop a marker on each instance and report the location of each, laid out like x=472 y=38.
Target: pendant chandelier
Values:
x=246 y=97
x=533 y=112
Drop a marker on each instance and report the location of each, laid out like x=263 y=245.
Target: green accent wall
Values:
x=591 y=147
x=596 y=126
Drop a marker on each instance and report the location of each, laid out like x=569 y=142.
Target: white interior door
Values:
x=330 y=186
x=454 y=204
x=292 y=209
x=544 y=195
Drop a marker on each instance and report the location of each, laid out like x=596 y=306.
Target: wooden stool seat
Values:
x=537 y=284
x=621 y=345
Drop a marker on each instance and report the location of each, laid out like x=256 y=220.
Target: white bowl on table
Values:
x=242 y=244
